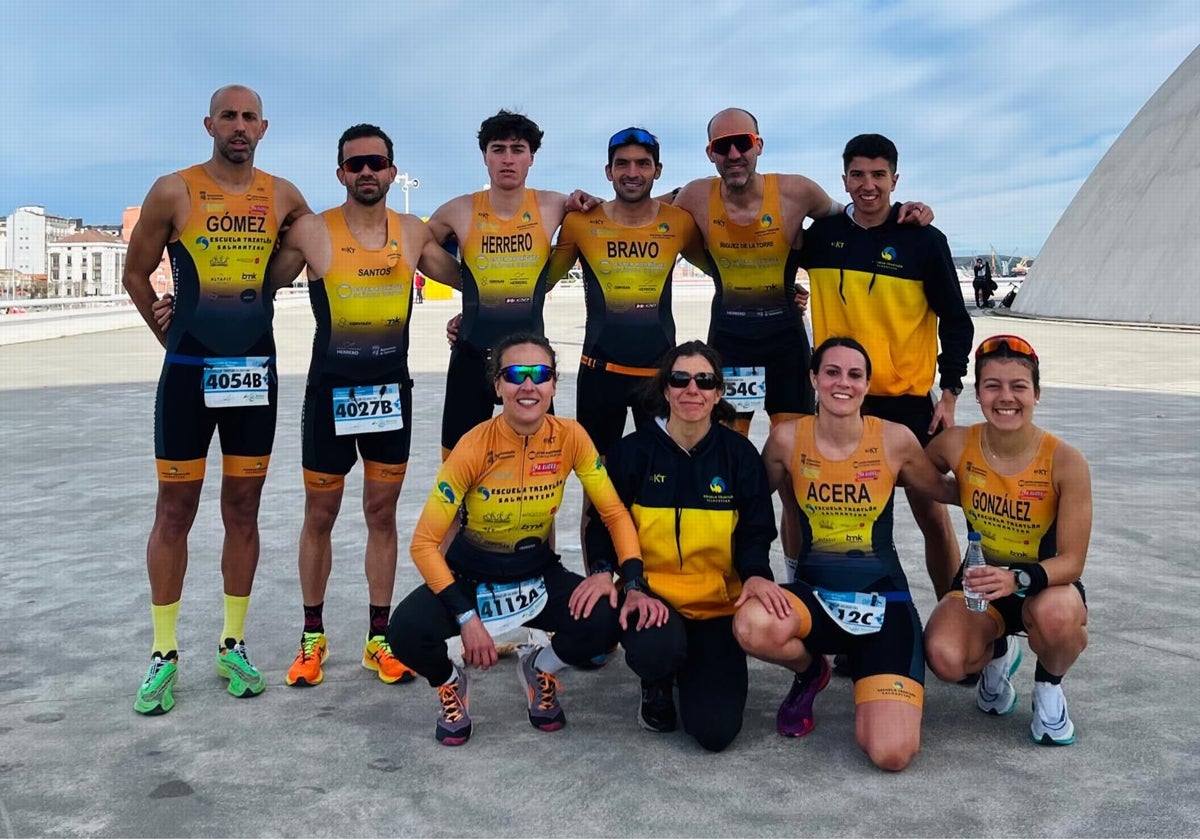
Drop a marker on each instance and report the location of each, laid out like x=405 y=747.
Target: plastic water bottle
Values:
x=974 y=559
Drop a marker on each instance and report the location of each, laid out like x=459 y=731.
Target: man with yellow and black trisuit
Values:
x=504 y=236
x=627 y=248
x=361 y=258
x=219 y=222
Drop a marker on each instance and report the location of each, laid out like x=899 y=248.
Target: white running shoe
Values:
x=995 y=693
x=1051 y=726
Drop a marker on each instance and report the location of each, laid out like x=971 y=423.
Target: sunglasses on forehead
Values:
x=1012 y=343
x=681 y=378
x=743 y=142
x=356 y=164
x=633 y=135
x=517 y=374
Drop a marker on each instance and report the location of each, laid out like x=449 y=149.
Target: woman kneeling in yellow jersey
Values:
x=504 y=482
x=836 y=474
x=1029 y=496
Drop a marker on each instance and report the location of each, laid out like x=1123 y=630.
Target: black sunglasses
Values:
x=355 y=164
x=517 y=374
x=681 y=378
x=743 y=142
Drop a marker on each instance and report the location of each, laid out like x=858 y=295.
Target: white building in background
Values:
x=28 y=230
x=85 y=264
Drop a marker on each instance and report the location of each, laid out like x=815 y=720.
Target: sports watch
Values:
x=1024 y=580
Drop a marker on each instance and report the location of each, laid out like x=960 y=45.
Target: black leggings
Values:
x=421 y=623
x=709 y=667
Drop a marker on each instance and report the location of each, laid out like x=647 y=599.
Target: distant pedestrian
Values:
x=984 y=284
x=419 y=285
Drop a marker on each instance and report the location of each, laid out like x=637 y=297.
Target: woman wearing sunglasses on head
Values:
x=699 y=498
x=1029 y=496
x=836 y=474
x=504 y=481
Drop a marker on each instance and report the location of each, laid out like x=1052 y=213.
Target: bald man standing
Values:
x=219 y=221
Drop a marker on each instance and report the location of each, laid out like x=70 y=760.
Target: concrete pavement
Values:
x=354 y=757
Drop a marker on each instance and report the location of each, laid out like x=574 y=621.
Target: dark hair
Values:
x=506 y=125
x=358 y=132
x=870 y=146
x=633 y=136
x=1005 y=352
x=838 y=341
x=652 y=394
x=753 y=119
x=513 y=340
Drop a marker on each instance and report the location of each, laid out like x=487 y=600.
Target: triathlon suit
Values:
x=503 y=266
x=362 y=307
x=1016 y=516
x=627 y=287
x=755 y=323
x=505 y=488
x=895 y=290
x=219 y=371
x=849 y=563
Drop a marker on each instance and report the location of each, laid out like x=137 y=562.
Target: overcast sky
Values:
x=1000 y=109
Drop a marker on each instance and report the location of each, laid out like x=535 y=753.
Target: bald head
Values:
x=219 y=95
x=733 y=117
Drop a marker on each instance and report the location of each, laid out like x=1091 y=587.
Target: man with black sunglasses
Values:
x=627 y=247
x=361 y=258
x=220 y=222
x=751 y=222
x=504 y=236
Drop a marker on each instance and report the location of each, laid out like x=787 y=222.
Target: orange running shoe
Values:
x=377 y=656
x=306 y=668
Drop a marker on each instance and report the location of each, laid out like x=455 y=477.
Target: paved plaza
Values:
x=355 y=757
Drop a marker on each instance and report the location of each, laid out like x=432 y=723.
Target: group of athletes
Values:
x=678 y=518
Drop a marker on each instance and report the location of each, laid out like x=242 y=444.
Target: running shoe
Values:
x=377 y=657
x=454 y=722
x=996 y=694
x=657 y=712
x=1051 y=726
x=306 y=667
x=795 y=716
x=154 y=697
x=541 y=689
x=233 y=664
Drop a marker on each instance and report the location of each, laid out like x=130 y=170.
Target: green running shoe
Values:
x=233 y=664
x=154 y=697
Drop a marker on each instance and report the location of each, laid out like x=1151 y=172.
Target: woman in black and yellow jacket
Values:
x=698 y=494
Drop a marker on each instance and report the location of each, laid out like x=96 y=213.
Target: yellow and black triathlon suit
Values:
x=362 y=307
x=505 y=489
x=1016 y=516
x=504 y=265
x=754 y=321
x=894 y=288
x=219 y=371
x=849 y=562
x=627 y=287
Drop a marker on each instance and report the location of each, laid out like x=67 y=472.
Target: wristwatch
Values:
x=1024 y=579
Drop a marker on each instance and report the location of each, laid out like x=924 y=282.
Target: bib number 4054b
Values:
x=235 y=382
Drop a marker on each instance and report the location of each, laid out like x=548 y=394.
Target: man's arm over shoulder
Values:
x=553 y=207
x=302 y=244
x=566 y=249
x=956 y=332
x=452 y=219
x=802 y=198
x=432 y=259
x=161 y=216
x=290 y=202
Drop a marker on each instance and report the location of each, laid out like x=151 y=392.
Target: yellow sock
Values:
x=235 y=617
x=165 y=617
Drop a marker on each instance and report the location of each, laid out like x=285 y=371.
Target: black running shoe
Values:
x=657 y=712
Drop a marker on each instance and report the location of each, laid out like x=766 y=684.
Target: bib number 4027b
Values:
x=363 y=409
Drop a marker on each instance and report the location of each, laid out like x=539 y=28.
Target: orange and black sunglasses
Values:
x=1013 y=343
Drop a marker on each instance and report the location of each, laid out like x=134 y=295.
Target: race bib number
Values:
x=363 y=409
x=858 y=613
x=236 y=382
x=503 y=606
x=745 y=387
